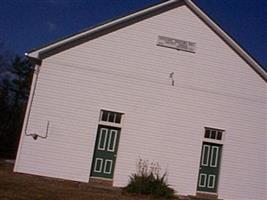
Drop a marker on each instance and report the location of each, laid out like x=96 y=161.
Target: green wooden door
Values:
x=105 y=153
x=209 y=167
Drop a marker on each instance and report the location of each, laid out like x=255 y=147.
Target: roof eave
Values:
x=36 y=53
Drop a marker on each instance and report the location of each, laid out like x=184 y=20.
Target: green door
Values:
x=105 y=153
x=209 y=167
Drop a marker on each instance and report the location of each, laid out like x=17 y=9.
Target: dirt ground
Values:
x=16 y=186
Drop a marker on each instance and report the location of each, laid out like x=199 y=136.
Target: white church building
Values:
x=165 y=84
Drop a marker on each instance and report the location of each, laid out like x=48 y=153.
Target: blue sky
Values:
x=28 y=24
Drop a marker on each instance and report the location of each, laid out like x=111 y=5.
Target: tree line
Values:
x=15 y=79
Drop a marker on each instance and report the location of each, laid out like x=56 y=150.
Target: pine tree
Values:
x=14 y=90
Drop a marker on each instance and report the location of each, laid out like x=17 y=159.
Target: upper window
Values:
x=212 y=133
x=109 y=116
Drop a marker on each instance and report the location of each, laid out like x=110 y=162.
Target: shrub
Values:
x=148 y=181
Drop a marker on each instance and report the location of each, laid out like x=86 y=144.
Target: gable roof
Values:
x=110 y=26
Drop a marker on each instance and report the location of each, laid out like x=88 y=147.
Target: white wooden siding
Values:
x=125 y=71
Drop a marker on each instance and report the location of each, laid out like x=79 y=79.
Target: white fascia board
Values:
x=35 y=54
x=227 y=39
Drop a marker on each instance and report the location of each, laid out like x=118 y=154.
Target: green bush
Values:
x=148 y=181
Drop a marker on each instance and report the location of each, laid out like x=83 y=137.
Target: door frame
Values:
x=106 y=181
x=217 y=142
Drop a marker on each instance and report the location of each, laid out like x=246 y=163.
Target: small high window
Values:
x=212 y=133
x=109 y=116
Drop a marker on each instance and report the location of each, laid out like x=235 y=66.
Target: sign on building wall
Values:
x=176 y=44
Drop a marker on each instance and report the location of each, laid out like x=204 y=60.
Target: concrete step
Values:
x=200 y=196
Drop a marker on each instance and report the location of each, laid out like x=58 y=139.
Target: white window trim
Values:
x=200 y=178
x=208 y=156
x=213 y=181
x=215 y=141
x=100 y=117
x=100 y=138
x=110 y=124
x=114 y=142
x=98 y=171
x=216 y=158
x=105 y=166
x=105 y=123
x=114 y=119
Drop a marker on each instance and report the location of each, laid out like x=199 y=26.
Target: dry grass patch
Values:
x=15 y=186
